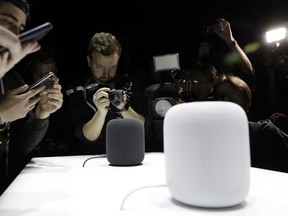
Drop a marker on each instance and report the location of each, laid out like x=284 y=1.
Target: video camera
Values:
x=161 y=96
x=169 y=67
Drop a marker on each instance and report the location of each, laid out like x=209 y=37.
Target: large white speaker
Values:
x=207 y=153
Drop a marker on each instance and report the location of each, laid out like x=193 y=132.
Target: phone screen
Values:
x=36 y=33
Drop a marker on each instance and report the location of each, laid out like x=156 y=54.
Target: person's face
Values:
x=227 y=92
x=103 y=67
x=12 y=18
x=201 y=86
x=41 y=69
x=204 y=48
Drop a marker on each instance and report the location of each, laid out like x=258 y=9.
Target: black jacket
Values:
x=269 y=149
x=25 y=135
x=81 y=109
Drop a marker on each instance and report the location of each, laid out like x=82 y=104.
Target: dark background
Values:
x=151 y=27
x=147 y=28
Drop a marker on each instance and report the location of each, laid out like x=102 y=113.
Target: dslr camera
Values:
x=116 y=96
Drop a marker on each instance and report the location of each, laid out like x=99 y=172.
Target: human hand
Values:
x=15 y=104
x=226 y=34
x=16 y=50
x=101 y=100
x=123 y=102
x=278 y=117
x=51 y=100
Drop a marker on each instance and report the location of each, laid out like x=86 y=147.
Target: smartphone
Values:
x=48 y=80
x=215 y=27
x=36 y=33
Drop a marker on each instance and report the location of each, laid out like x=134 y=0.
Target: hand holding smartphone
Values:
x=215 y=27
x=48 y=80
x=36 y=33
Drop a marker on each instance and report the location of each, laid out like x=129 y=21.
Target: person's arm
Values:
x=92 y=129
x=227 y=36
x=15 y=104
x=24 y=139
x=130 y=113
x=51 y=100
x=30 y=133
x=36 y=123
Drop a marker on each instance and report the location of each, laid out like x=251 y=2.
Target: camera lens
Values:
x=115 y=97
x=115 y=100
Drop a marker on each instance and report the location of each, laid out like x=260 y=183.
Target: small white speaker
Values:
x=207 y=153
x=125 y=142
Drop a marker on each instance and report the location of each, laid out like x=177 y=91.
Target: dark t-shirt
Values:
x=269 y=149
x=81 y=109
x=25 y=135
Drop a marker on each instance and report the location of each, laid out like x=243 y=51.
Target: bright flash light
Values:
x=276 y=35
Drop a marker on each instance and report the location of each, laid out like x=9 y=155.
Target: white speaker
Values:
x=125 y=142
x=207 y=153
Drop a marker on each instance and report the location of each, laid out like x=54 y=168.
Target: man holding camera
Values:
x=105 y=95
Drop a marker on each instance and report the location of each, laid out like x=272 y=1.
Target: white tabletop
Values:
x=61 y=186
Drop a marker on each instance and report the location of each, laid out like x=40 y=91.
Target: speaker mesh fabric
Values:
x=125 y=142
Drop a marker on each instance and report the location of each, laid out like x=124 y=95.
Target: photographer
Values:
x=199 y=82
x=105 y=95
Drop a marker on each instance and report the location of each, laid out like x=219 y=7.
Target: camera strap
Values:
x=85 y=95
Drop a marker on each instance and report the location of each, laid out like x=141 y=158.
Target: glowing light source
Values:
x=276 y=34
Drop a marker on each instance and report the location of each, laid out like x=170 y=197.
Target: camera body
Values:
x=213 y=28
x=116 y=96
